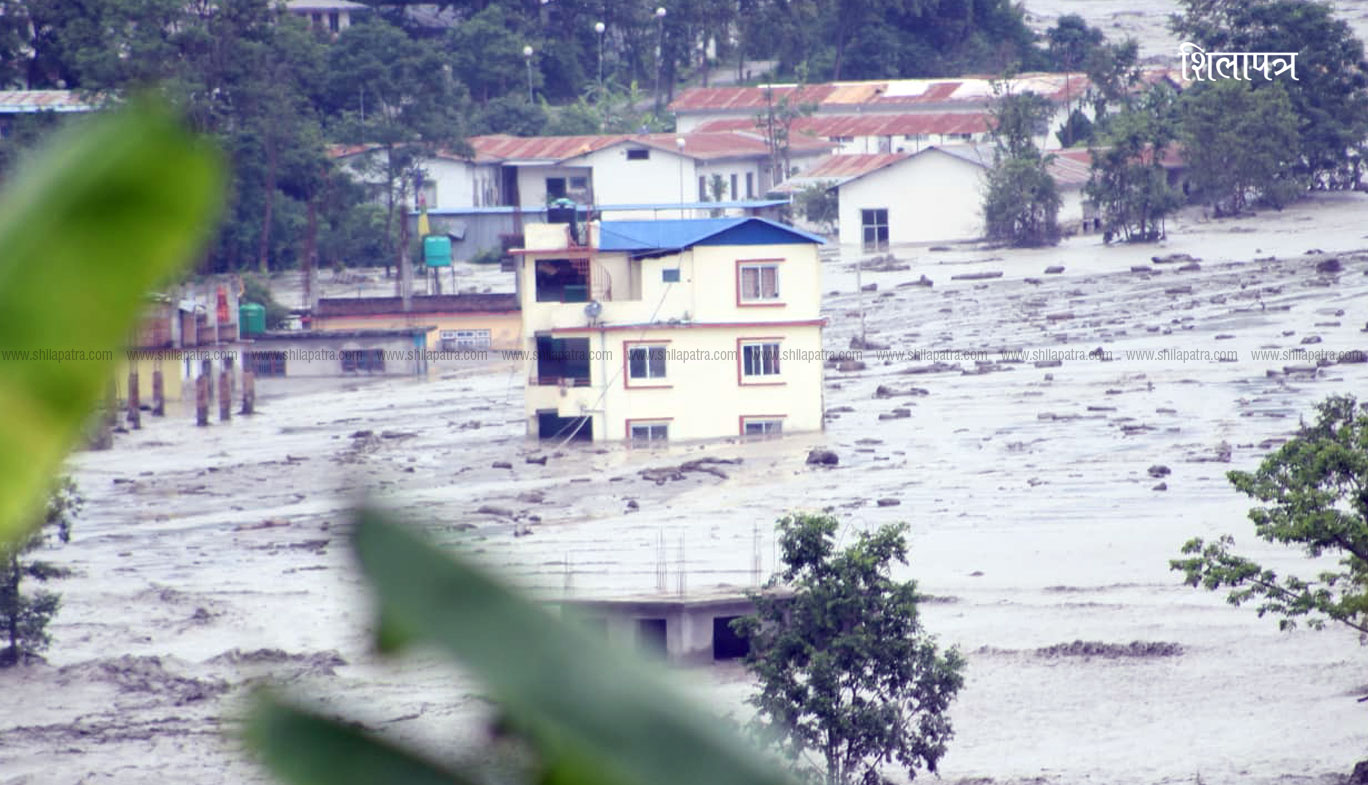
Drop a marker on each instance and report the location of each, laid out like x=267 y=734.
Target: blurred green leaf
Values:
x=307 y=749
x=595 y=714
x=110 y=209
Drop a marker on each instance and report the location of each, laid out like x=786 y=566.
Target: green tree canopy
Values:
x=1128 y=182
x=1314 y=496
x=1240 y=145
x=846 y=669
x=1330 y=94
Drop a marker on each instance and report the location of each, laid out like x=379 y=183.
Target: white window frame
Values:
x=768 y=426
x=649 y=376
x=654 y=431
x=759 y=295
x=775 y=367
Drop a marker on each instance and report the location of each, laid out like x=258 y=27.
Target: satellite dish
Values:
x=593 y=308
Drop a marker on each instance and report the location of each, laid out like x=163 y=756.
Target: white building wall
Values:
x=656 y=179
x=933 y=197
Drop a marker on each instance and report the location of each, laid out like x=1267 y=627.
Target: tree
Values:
x=1240 y=145
x=1128 y=182
x=845 y=667
x=1330 y=94
x=818 y=205
x=24 y=618
x=1021 y=201
x=776 y=125
x=1070 y=42
x=399 y=95
x=1315 y=495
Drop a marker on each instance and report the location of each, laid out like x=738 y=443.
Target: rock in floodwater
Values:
x=1163 y=486
x=1331 y=265
x=889 y=502
x=821 y=457
x=1159 y=470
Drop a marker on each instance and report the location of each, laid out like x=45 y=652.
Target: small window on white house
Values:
x=649 y=432
x=750 y=185
x=874 y=227
x=702 y=188
x=762 y=426
x=646 y=362
x=638 y=154
x=760 y=359
x=733 y=193
x=579 y=183
x=670 y=275
x=759 y=282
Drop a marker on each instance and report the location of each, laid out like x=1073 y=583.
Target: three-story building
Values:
x=671 y=329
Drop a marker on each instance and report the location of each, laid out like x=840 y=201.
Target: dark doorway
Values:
x=651 y=637
x=563 y=361
x=509 y=183
x=552 y=426
x=727 y=645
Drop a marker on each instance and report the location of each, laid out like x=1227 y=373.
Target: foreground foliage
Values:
x=112 y=208
x=1314 y=492
x=584 y=712
x=846 y=670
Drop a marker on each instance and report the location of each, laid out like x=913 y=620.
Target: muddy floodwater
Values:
x=1025 y=461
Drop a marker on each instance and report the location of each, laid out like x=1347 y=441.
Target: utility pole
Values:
x=527 y=57
x=660 y=53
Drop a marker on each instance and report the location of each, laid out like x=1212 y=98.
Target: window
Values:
x=562 y=280
x=639 y=154
x=760 y=359
x=579 y=183
x=732 y=193
x=266 y=363
x=562 y=361
x=646 y=362
x=842 y=139
x=334 y=21
x=649 y=432
x=702 y=188
x=457 y=340
x=762 y=426
x=368 y=360
x=874 y=226
x=759 y=282
x=750 y=185
x=670 y=275
x=555 y=188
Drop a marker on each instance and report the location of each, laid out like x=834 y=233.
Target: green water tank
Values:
x=252 y=318
x=437 y=250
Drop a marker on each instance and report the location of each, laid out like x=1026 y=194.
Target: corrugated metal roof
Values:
x=699 y=145
x=847 y=167
x=674 y=235
x=894 y=92
x=832 y=126
x=26 y=101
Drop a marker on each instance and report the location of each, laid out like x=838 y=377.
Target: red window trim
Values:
x=627 y=371
x=741 y=421
x=741 y=361
x=756 y=304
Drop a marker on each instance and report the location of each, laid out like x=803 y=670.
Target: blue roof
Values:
x=675 y=235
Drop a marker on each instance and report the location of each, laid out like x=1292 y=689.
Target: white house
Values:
x=327 y=16
x=935 y=195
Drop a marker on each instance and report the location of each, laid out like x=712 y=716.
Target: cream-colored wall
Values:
x=505 y=329
x=532 y=182
x=703 y=396
x=932 y=197
x=706 y=291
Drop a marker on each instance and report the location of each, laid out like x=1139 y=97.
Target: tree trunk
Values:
x=264 y=249
x=311 y=252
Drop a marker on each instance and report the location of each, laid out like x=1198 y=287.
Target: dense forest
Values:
x=412 y=77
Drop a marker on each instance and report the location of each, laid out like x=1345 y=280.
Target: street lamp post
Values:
x=660 y=53
x=527 y=57
x=599 y=27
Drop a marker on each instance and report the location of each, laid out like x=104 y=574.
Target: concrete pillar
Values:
x=248 y=391
x=202 y=400
x=225 y=397
x=158 y=394
x=134 y=408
